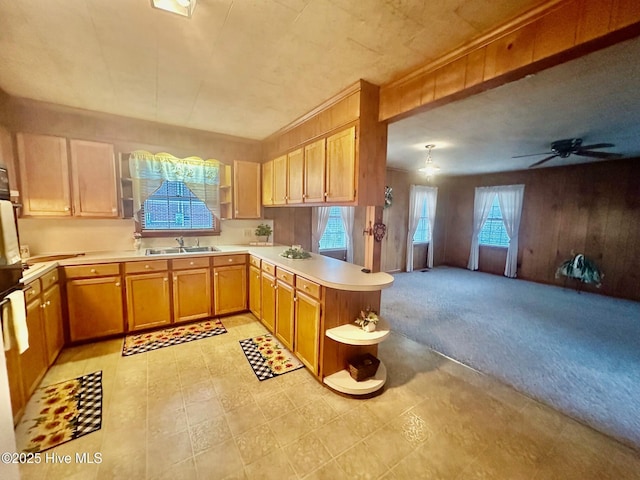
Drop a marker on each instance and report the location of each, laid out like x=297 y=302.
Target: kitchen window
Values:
x=175 y=195
x=334 y=237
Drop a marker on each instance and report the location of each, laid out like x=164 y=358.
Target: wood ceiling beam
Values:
x=551 y=34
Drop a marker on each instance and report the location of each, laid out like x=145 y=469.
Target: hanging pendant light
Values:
x=429 y=169
x=181 y=7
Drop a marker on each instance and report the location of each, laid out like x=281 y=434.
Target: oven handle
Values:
x=6 y=300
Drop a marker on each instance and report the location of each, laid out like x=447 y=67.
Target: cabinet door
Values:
x=33 y=361
x=15 y=383
x=230 y=289
x=54 y=333
x=307 y=330
x=246 y=189
x=191 y=294
x=148 y=303
x=314 y=172
x=95 y=307
x=341 y=166
x=44 y=175
x=255 y=291
x=268 y=304
x=267 y=183
x=295 y=180
x=93 y=172
x=285 y=313
x=280 y=180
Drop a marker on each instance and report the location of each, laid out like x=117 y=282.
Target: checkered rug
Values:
x=61 y=412
x=268 y=357
x=144 y=342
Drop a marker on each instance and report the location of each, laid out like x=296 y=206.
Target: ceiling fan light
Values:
x=181 y=7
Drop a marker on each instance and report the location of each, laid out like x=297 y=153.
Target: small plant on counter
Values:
x=264 y=230
x=367 y=320
x=295 y=253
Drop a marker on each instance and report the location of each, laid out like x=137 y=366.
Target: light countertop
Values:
x=326 y=271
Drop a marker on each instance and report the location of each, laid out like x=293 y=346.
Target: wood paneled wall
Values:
x=127 y=134
x=592 y=209
x=291 y=226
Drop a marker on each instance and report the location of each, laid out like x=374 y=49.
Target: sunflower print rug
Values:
x=268 y=357
x=144 y=342
x=61 y=412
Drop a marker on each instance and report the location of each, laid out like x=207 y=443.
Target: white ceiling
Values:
x=250 y=67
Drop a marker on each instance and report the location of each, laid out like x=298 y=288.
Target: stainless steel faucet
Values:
x=180 y=241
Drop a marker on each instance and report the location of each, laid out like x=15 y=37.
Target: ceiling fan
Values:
x=572 y=146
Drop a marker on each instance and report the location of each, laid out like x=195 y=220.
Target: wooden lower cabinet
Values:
x=191 y=294
x=255 y=289
x=307 y=330
x=148 y=300
x=14 y=373
x=52 y=319
x=95 y=307
x=230 y=289
x=268 y=304
x=33 y=361
x=285 y=300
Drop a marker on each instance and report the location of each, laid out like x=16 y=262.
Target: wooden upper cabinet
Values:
x=314 y=172
x=44 y=175
x=267 y=183
x=93 y=178
x=53 y=186
x=341 y=166
x=246 y=189
x=280 y=180
x=295 y=180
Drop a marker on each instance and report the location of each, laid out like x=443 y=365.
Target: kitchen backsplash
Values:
x=56 y=235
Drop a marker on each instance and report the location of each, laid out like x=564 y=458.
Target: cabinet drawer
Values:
x=141 y=267
x=285 y=275
x=222 y=260
x=97 y=270
x=308 y=287
x=31 y=291
x=186 y=263
x=49 y=279
x=268 y=267
x=255 y=261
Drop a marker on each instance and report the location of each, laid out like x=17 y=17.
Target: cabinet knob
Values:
x=165 y=279
x=175 y=279
x=44 y=305
x=306 y=287
x=93 y=270
x=216 y=274
x=191 y=263
x=54 y=279
x=67 y=208
x=230 y=260
x=117 y=284
x=147 y=266
x=326 y=194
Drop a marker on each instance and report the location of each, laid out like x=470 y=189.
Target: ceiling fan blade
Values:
x=597 y=145
x=542 y=161
x=532 y=154
x=588 y=153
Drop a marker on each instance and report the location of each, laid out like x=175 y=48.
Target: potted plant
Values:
x=264 y=230
x=367 y=320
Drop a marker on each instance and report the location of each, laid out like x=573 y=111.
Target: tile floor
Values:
x=197 y=411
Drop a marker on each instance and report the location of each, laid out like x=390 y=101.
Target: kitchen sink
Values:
x=179 y=250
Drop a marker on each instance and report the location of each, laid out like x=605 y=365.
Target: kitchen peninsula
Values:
x=108 y=294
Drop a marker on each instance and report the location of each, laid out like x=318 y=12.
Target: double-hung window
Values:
x=334 y=237
x=175 y=195
x=423 y=233
x=493 y=232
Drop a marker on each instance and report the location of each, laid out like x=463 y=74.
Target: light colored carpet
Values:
x=578 y=352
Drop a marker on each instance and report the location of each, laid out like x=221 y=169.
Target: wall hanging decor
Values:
x=388 y=196
x=379 y=231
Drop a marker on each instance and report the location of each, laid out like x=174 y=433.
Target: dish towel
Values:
x=14 y=322
x=9 y=248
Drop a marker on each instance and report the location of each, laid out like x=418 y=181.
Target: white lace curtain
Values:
x=348 y=219
x=320 y=219
x=149 y=170
x=510 y=198
x=418 y=195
